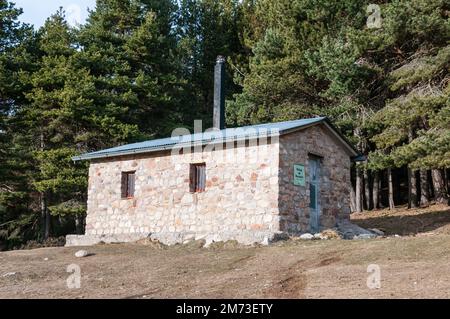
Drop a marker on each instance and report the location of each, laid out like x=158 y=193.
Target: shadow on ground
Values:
x=406 y=224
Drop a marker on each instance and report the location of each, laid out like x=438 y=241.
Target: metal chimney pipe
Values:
x=219 y=93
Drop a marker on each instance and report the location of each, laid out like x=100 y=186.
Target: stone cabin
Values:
x=250 y=184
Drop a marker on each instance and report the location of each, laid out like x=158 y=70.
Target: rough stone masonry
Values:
x=249 y=199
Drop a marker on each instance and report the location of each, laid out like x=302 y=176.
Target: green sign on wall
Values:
x=299 y=175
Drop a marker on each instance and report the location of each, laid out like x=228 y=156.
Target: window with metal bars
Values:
x=197 y=177
x=127 y=185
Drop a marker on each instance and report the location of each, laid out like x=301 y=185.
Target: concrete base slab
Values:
x=247 y=237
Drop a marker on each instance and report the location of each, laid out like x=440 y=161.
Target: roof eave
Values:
x=165 y=148
x=351 y=150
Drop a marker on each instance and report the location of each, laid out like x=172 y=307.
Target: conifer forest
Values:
x=138 y=69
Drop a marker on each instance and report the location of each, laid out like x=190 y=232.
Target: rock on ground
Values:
x=81 y=253
x=9 y=274
x=307 y=236
x=352 y=231
x=330 y=234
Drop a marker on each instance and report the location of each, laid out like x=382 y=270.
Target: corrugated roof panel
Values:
x=228 y=134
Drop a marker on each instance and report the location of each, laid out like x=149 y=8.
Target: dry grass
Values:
x=411 y=267
x=407 y=222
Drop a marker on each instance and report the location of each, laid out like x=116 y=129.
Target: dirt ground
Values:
x=415 y=265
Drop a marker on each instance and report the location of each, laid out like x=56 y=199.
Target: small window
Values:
x=197 y=177
x=128 y=184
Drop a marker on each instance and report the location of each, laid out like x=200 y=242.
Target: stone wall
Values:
x=250 y=195
x=334 y=187
x=240 y=201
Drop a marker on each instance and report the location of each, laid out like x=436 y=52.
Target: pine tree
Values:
x=61 y=120
x=15 y=194
x=46 y=119
x=129 y=48
x=304 y=63
x=414 y=126
x=207 y=29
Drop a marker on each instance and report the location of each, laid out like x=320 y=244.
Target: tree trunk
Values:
x=447 y=184
x=352 y=199
x=45 y=217
x=438 y=185
x=79 y=224
x=424 y=193
x=358 y=190
x=376 y=189
x=391 y=189
x=447 y=178
x=412 y=182
x=367 y=188
x=412 y=189
x=45 y=214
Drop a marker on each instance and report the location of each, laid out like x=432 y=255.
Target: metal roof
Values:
x=215 y=136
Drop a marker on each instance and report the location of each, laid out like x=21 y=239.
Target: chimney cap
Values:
x=220 y=59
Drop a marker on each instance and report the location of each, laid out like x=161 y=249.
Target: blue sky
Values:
x=37 y=11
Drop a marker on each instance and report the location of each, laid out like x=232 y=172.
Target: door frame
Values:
x=314 y=211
